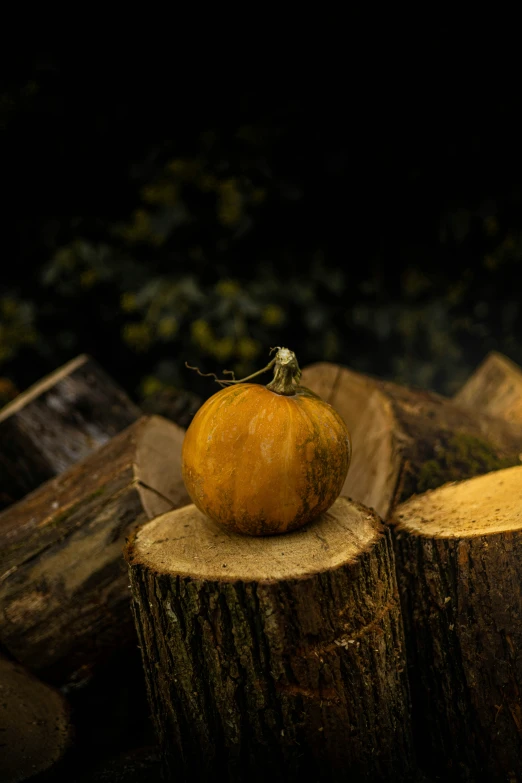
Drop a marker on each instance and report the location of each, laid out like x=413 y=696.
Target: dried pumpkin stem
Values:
x=222 y=381
x=287 y=373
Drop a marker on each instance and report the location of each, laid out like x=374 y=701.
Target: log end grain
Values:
x=368 y=414
x=187 y=543
x=495 y=387
x=35 y=729
x=157 y=466
x=480 y=506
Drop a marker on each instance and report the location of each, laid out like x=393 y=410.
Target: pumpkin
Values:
x=264 y=460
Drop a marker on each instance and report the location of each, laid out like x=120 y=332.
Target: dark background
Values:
x=152 y=217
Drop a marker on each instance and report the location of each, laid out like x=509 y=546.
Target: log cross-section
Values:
x=495 y=388
x=35 y=727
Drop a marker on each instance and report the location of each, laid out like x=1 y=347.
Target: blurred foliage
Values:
x=16 y=326
x=249 y=228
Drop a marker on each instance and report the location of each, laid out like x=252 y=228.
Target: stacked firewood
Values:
x=378 y=643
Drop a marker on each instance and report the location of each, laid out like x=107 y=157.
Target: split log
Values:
x=35 y=729
x=495 y=388
x=64 y=598
x=406 y=441
x=459 y=563
x=58 y=422
x=277 y=658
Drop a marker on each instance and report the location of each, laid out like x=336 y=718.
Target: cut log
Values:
x=35 y=730
x=495 y=388
x=178 y=405
x=58 y=422
x=459 y=564
x=406 y=441
x=277 y=658
x=64 y=598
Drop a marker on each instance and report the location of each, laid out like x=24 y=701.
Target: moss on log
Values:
x=406 y=441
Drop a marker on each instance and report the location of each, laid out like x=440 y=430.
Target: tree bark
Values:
x=35 y=730
x=64 y=598
x=494 y=388
x=277 y=658
x=406 y=441
x=459 y=564
x=56 y=423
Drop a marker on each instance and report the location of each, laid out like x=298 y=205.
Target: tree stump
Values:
x=495 y=388
x=64 y=598
x=35 y=731
x=277 y=658
x=58 y=422
x=459 y=563
x=406 y=441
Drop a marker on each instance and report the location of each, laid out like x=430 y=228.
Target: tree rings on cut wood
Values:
x=495 y=388
x=64 y=597
x=57 y=422
x=459 y=563
x=277 y=658
x=35 y=731
x=406 y=441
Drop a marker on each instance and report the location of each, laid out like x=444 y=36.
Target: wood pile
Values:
x=380 y=642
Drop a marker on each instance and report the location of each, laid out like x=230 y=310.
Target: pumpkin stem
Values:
x=223 y=382
x=286 y=372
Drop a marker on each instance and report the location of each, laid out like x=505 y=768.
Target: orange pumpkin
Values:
x=263 y=460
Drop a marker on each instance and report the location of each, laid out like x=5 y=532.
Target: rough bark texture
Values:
x=56 y=423
x=296 y=676
x=406 y=441
x=64 y=598
x=460 y=585
x=495 y=388
x=35 y=730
